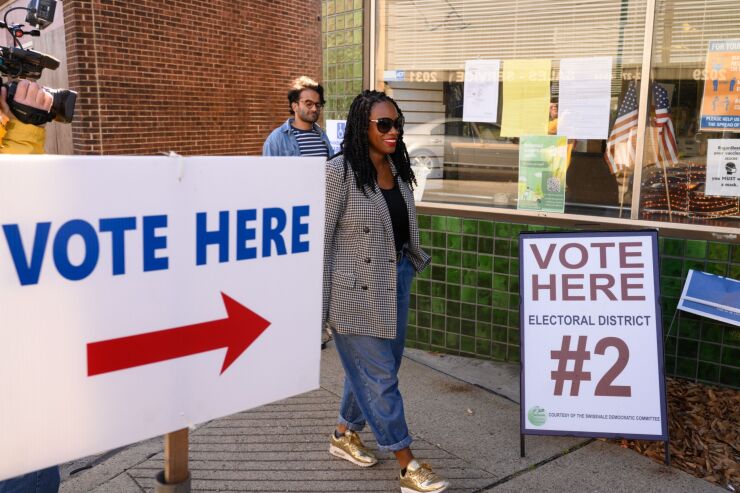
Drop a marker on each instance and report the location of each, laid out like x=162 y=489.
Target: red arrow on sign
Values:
x=236 y=332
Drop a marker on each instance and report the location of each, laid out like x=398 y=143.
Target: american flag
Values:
x=622 y=142
x=665 y=138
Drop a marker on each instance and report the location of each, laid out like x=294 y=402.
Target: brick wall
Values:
x=196 y=77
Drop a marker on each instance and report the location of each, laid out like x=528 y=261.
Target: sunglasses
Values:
x=385 y=124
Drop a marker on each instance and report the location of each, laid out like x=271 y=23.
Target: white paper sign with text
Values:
x=591 y=341
x=480 y=103
x=142 y=295
x=723 y=167
x=585 y=96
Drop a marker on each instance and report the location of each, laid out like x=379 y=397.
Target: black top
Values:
x=399 y=216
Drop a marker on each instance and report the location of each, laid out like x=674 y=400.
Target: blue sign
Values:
x=711 y=296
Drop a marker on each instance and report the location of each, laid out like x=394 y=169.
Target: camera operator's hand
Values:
x=5 y=113
x=29 y=93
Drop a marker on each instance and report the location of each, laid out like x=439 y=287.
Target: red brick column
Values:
x=195 y=77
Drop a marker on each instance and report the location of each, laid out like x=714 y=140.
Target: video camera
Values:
x=17 y=62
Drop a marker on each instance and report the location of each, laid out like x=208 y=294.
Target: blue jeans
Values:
x=43 y=481
x=371 y=366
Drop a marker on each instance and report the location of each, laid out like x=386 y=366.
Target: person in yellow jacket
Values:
x=20 y=138
x=552 y=129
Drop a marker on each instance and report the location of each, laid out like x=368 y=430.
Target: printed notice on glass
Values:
x=720 y=106
x=543 y=161
x=723 y=167
x=480 y=102
x=585 y=96
x=526 y=97
x=591 y=335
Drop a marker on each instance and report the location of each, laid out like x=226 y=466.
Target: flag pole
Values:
x=623 y=14
x=643 y=110
x=667 y=191
x=663 y=136
x=619 y=153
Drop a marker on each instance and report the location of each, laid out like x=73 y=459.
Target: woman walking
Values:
x=371 y=254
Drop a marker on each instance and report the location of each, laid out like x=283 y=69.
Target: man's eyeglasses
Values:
x=311 y=104
x=385 y=124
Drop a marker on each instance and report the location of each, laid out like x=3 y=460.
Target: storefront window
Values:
x=691 y=169
x=423 y=49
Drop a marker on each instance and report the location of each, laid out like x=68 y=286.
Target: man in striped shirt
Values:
x=300 y=135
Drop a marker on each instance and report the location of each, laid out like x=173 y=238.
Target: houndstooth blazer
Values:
x=360 y=255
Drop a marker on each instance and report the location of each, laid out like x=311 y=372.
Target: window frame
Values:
x=375 y=10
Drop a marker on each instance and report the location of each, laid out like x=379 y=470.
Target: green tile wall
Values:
x=341 y=22
x=467 y=303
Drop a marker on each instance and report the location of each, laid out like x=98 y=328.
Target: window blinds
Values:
x=442 y=34
x=683 y=29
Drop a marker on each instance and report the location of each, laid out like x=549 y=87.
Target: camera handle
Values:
x=62 y=107
x=24 y=113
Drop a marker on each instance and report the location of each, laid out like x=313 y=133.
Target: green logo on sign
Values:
x=537 y=416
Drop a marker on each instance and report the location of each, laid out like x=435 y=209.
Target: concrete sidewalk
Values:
x=463 y=415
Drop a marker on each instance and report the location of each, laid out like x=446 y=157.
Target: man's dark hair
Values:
x=299 y=85
x=356 y=148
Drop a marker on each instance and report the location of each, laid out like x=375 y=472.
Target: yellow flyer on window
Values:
x=720 y=107
x=526 y=97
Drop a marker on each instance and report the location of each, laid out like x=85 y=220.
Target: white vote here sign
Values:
x=141 y=295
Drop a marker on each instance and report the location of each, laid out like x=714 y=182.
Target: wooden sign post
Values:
x=175 y=478
x=176 y=457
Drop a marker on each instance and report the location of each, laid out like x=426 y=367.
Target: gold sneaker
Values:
x=421 y=478
x=350 y=447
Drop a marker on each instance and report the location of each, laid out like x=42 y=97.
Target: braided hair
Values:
x=355 y=145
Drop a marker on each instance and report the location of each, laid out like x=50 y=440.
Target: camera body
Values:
x=21 y=63
x=17 y=62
